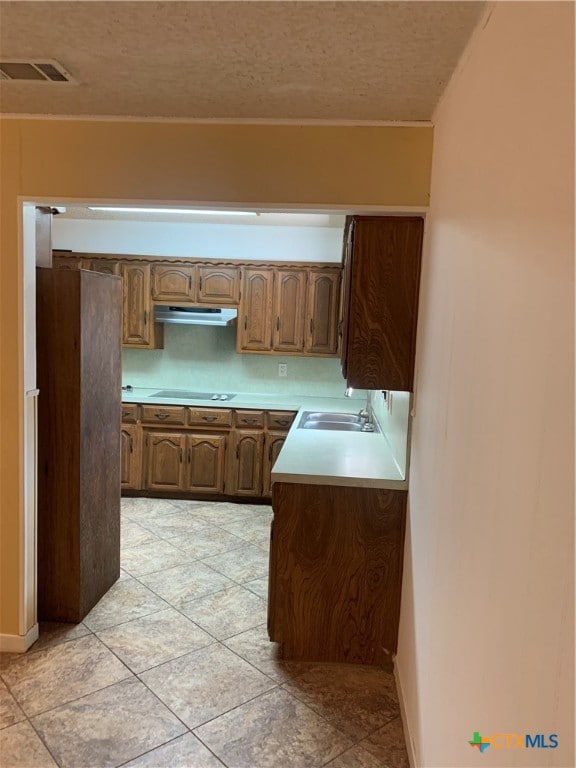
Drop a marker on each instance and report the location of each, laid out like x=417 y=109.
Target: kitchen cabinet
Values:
x=255 y=314
x=185 y=461
x=245 y=463
x=68 y=262
x=322 y=306
x=272 y=445
x=78 y=320
x=130 y=456
x=289 y=303
x=139 y=329
x=104 y=266
x=172 y=283
x=380 y=301
x=219 y=286
x=336 y=573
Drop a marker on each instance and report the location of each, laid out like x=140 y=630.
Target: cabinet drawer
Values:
x=210 y=417
x=249 y=418
x=280 y=419
x=129 y=413
x=164 y=414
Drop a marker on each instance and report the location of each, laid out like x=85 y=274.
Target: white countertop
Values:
x=313 y=457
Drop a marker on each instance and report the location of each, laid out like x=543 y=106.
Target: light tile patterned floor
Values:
x=173 y=667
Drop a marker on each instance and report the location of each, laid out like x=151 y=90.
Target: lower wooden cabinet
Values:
x=336 y=558
x=245 y=463
x=272 y=445
x=189 y=462
x=131 y=456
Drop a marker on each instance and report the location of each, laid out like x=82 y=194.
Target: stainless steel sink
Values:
x=339 y=422
x=338 y=426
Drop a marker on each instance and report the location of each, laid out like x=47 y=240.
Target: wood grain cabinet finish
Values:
x=322 y=308
x=130 y=413
x=250 y=419
x=139 y=329
x=210 y=417
x=104 y=266
x=273 y=443
x=67 y=262
x=380 y=301
x=79 y=377
x=174 y=283
x=280 y=419
x=245 y=463
x=165 y=461
x=336 y=573
x=205 y=457
x=131 y=456
x=289 y=303
x=255 y=314
x=219 y=286
x=164 y=414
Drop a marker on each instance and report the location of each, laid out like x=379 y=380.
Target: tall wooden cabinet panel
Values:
x=255 y=315
x=245 y=465
x=173 y=283
x=131 y=456
x=289 y=301
x=165 y=467
x=272 y=445
x=218 y=285
x=137 y=315
x=205 y=456
x=322 y=306
x=79 y=378
x=336 y=572
x=380 y=304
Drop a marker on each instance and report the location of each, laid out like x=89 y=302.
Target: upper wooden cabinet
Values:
x=173 y=283
x=380 y=301
x=218 y=285
x=289 y=302
x=104 y=266
x=138 y=312
x=322 y=305
x=255 y=315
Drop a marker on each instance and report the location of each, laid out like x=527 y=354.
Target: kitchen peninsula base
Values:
x=336 y=572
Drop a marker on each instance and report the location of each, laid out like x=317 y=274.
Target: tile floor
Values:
x=173 y=667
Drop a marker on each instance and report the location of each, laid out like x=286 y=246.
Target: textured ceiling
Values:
x=238 y=60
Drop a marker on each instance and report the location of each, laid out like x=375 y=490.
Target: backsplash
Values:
x=395 y=422
x=204 y=358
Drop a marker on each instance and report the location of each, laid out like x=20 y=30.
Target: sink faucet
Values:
x=367 y=412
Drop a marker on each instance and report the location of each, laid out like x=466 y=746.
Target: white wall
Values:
x=202 y=241
x=487 y=625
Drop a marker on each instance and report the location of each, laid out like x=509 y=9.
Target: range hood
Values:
x=195 y=315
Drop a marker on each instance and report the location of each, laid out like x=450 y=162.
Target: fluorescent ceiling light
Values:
x=194 y=212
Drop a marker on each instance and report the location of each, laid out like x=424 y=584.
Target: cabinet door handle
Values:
x=181 y=452
x=339 y=327
x=189 y=455
x=162 y=415
x=209 y=418
x=245 y=322
x=311 y=325
x=238 y=451
x=200 y=283
x=270 y=453
x=277 y=323
x=248 y=421
x=125 y=414
x=190 y=283
x=283 y=422
x=131 y=447
x=145 y=317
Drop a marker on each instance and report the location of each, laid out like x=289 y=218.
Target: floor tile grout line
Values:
x=37 y=732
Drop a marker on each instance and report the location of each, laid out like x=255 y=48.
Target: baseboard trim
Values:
x=18 y=643
x=405 y=726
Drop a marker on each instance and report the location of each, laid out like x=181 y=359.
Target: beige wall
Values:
x=282 y=165
x=486 y=636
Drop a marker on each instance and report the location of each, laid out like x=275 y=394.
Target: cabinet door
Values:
x=322 y=312
x=246 y=463
x=173 y=283
x=272 y=446
x=255 y=316
x=205 y=459
x=289 y=297
x=136 y=317
x=131 y=456
x=345 y=293
x=218 y=285
x=165 y=467
x=63 y=262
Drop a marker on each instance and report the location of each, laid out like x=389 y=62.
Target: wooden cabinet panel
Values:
x=131 y=456
x=210 y=417
x=104 y=266
x=130 y=413
x=250 y=419
x=205 y=458
x=245 y=463
x=219 y=286
x=381 y=301
x=322 y=306
x=165 y=467
x=280 y=419
x=336 y=573
x=289 y=301
x=272 y=445
x=255 y=316
x=64 y=262
x=164 y=414
x=174 y=283
x=137 y=318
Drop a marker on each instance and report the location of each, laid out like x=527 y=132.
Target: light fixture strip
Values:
x=191 y=211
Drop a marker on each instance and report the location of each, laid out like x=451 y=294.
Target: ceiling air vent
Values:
x=45 y=70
